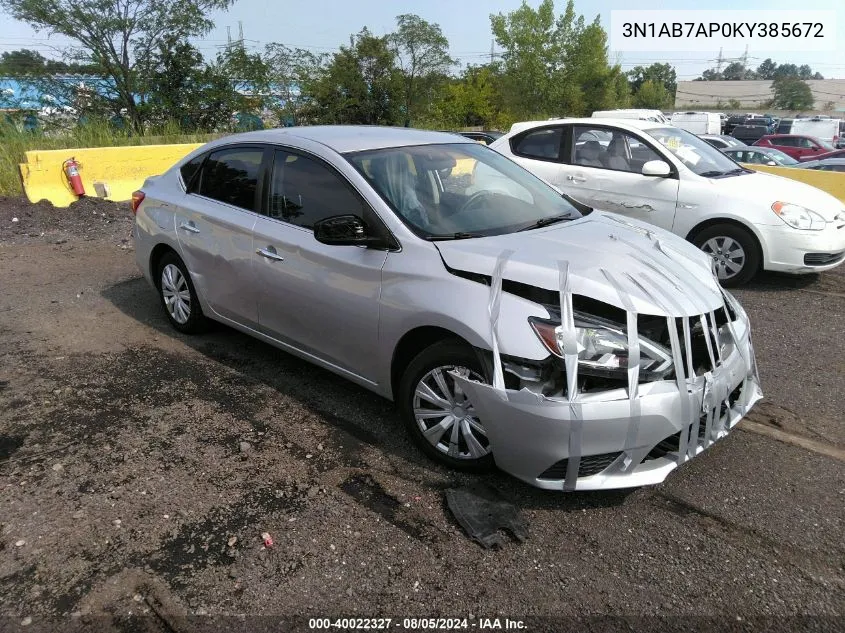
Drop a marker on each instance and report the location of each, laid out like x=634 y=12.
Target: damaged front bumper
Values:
x=558 y=445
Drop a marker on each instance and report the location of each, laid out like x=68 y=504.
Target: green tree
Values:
x=554 y=65
x=791 y=93
x=179 y=86
x=25 y=62
x=652 y=94
x=469 y=101
x=661 y=73
x=360 y=85
x=423 y=54
x=736 y=71
x=116 y=34
x=766 y=70
x=532 y=56
x=292 y=74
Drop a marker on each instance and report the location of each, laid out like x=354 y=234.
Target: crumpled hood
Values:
x=609 y=258
x=762 y=188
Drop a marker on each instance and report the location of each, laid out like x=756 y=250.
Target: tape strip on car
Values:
x=633 y=367
x=569 y=344
x=493 y=310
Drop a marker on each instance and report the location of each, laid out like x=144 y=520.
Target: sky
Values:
x=323 y=25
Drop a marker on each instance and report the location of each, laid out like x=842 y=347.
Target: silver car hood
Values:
x=608 y=258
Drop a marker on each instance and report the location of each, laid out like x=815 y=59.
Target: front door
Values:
x=323 y=300
x=602 y=167
x=214 y=227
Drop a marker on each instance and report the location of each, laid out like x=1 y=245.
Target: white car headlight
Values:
x=798 y=217
x=603 y=348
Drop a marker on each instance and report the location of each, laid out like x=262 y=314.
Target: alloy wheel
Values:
x=446 y=417
x=176 y=294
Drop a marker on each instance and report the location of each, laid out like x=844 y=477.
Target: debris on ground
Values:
x=482 y=511
x=268 y=540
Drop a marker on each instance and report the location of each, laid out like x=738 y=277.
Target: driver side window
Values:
x=303 y=191
x=609 y=149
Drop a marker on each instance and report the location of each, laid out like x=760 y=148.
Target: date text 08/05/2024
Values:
x=416 y=624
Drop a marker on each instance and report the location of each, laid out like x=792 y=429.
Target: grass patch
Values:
x=14 y=143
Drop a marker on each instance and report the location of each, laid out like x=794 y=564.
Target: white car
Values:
x=746 y=220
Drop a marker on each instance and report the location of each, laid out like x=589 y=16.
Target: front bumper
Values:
x=608 y=440
x=787 y=249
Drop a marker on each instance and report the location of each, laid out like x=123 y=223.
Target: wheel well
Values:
x=159 y=251
x=411 y=344
x=716 y=221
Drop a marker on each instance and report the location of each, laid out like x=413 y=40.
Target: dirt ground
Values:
x=139 y=468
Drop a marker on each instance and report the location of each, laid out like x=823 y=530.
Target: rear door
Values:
x=321 y=299
x=539 y=151
x=214 y=227
x=603 y=168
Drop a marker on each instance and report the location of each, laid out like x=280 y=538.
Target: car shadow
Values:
x=768 y=281
x=359 y=414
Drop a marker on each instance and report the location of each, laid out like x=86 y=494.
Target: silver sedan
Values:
x=575 y=349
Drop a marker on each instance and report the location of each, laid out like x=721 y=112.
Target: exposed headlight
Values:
x=603 y=348
x=798 y=217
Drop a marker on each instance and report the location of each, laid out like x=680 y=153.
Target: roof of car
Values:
x=789 y=136
x=638 y=124
x=351 y=138
x=826 y=161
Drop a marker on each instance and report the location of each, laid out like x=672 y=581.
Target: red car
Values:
x=798 y=146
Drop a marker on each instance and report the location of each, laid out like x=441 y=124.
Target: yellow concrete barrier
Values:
x=107 y=172
x=830 y=181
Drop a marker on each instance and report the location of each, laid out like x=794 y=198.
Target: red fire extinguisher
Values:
x=71 y=169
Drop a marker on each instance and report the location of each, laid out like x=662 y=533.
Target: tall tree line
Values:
x=139 y=55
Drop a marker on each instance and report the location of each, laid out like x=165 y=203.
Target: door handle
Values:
x=189 y=226
x=576 y=178
x=266 y=252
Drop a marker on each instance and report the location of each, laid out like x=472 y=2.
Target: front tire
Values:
x=177 y=295
x=734 y=251
x=437 y=414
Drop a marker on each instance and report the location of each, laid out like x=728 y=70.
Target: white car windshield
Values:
x=460 y=191
x=695 y=153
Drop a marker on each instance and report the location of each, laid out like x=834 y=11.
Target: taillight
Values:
x=137 y=199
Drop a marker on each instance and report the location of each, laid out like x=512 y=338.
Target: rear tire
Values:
x=734 y=250
x=459 y=441
x=177 y=295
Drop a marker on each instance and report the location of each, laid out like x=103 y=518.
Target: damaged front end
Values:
x=624 y=397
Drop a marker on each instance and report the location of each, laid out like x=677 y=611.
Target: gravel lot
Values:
x=139 y=468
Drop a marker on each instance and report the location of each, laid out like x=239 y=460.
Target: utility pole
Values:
x=228 y=37
x=492 y=50
x=719 y=62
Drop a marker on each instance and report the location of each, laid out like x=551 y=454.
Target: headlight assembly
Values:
x=798 y=217
x=603 y=348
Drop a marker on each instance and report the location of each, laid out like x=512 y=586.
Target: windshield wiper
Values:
x=460 y=235
x=712 y=174
x=546 y=221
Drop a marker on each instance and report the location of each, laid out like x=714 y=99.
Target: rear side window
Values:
x=190 y=169
x=543 y=144
x=231 y=176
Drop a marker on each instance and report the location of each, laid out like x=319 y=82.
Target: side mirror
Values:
x=656 y=168
x=342 y=230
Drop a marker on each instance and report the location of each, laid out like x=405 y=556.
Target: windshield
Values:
x=696 y=154
x=456 y=191
x=779 y=157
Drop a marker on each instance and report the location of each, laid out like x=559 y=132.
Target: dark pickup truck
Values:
x=751 y=132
